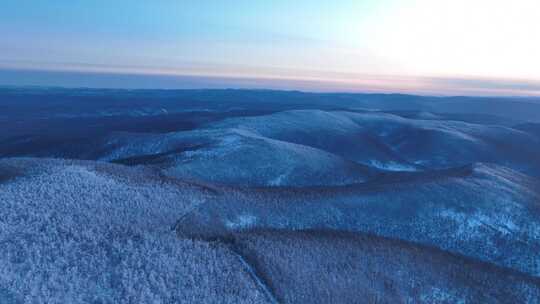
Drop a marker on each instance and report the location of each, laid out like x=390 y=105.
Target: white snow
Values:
x=80 y=233
x=242 y=221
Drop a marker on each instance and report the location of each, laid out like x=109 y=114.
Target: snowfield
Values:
x=232 y=196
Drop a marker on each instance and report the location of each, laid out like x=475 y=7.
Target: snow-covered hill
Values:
x=312 y=147
x=381 y=270
x=396 y=143
x=79 y=232
x=85 y=232
x=233 y=196
x=448 y=209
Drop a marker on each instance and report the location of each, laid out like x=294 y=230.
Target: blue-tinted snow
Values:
x=232 y=196
x=75 y=232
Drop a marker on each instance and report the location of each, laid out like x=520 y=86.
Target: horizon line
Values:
x=365 y=84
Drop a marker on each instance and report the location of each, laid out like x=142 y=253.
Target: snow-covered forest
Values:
x=239 y=196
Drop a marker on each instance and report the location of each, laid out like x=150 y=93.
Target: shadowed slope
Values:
x=450 y=209
x=338 y=267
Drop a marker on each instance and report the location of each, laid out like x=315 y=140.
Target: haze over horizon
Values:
x=436 y=47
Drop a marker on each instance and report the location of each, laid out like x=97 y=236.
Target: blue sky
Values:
x=172 y=32
x=384 y=45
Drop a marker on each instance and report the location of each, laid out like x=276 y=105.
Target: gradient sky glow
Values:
x=470 y=47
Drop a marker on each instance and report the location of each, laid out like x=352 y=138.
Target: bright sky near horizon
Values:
x=477 y=47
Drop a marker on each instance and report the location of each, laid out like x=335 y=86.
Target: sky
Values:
x=459 y=47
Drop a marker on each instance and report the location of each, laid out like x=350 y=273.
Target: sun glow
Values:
x=486 y=38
